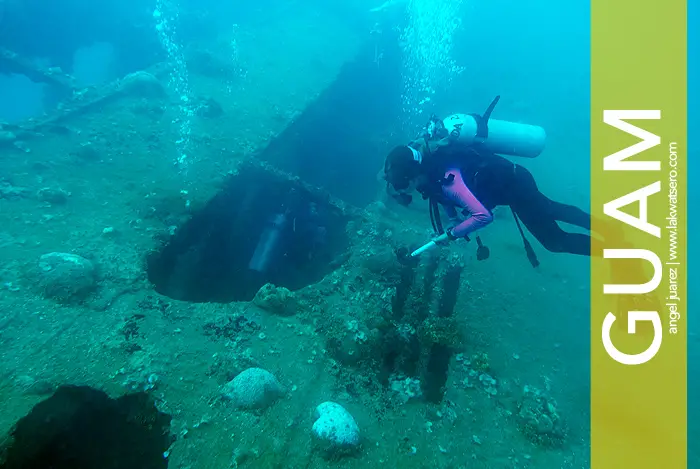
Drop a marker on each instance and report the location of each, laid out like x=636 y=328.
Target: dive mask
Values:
x=400 y=196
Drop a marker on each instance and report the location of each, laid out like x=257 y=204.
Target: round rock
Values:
x=254 y=388
x=335 y=427
x=64 y=277
x=142 y=84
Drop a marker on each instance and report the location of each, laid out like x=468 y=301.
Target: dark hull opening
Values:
x=262 y=228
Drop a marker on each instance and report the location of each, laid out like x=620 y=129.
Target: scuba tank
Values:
x=268 y=245
x=497 y=136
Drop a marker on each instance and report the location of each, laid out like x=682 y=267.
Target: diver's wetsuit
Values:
x=489 y=181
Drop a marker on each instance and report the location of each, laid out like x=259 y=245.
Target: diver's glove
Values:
x=482 y=251
x=445 y=238
x=442 y=239
x=451 y=237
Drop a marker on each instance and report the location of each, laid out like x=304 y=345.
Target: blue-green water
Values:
x=128 y=217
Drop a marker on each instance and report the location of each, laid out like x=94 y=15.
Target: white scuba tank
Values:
x=503 y=137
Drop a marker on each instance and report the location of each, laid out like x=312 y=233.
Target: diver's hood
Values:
x=402 y=165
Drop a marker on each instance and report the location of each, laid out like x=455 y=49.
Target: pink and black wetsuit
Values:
x=458 y=195
x=500 y=182
x=473 y=181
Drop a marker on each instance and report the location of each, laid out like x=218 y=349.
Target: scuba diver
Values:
x=456 y=164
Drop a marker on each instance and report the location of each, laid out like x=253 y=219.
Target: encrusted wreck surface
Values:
x=91 y=195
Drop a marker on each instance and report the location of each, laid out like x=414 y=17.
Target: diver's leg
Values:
x=569 y=214
x=527 y=186
x=540 y=215
x=545 y=228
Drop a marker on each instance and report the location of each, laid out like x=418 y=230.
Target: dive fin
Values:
x=531 y=256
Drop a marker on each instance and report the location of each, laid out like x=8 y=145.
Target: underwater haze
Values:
x=202 y=266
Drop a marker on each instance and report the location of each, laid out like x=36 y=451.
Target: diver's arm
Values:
x=460 y=194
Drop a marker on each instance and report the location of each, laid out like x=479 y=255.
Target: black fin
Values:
x=531 y=256
x=489 y=110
